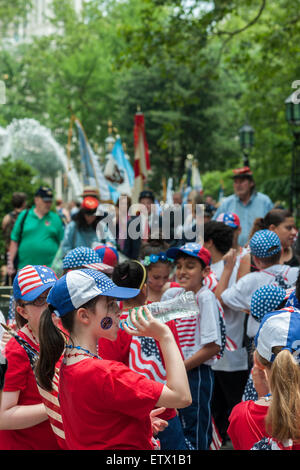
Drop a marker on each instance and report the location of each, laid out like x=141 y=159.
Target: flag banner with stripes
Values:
x=141 y=156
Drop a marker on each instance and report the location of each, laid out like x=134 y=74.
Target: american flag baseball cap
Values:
x=84 y=257
x=31 y=281
x=229 y=218
x=192 y=249
x=107 y=254
x=264 y=244
x=281 y=328
x=76 y=288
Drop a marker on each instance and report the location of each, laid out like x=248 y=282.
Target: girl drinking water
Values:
x=104 y=404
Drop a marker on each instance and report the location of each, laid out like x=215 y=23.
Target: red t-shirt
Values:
x=247 y=425
x=19 y=376
x=127 y=349
x=106 y=406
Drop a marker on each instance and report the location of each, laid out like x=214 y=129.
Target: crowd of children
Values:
x=72 y=378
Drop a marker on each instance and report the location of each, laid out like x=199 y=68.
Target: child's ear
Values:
x=256 y=362
x=83 y=315
x=144 y=289
x=21 y=311
x=208 y=244
x=206 y=271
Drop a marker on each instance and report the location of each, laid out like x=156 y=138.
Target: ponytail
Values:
x=258 y=224
x=52 y=344
x=283 y=418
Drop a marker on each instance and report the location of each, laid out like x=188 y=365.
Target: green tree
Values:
x=15 y=176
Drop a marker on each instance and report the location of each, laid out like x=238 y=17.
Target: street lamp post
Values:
x=246 y=134
x=292 y=113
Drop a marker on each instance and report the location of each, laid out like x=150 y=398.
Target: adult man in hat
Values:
x=246 y=202
x=37 y=233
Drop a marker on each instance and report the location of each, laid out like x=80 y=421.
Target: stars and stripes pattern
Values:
x=104 y=268
x=269 y=443
x=144 y=358
x=50 y=399
x=216 y=441
x=51 y=403
x=186 y=331
x=28 y=280
x=211 y=283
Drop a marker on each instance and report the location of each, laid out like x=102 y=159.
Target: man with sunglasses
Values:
x=37 y=233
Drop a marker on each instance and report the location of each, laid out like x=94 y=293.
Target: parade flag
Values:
x=92 y=172
x=124 y=167
x=196 y=178
x=141 y=156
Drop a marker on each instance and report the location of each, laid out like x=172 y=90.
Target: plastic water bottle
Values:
x=182 y=306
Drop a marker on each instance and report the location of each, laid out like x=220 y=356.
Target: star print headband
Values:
x=76 y=288
x=31 y=281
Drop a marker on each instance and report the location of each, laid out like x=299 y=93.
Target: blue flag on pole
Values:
x=122 y=162
x=92 y=172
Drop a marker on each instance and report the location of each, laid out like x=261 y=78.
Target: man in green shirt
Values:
x=37 y=233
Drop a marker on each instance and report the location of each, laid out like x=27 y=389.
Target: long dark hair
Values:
x=52 y=342
x=81 y=223
x=273 y=217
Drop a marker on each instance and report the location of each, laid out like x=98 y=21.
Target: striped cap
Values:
x=31 y=281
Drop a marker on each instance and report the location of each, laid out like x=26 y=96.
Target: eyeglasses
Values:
x=39 y=302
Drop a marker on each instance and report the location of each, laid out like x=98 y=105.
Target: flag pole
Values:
x=70 y=133
x=90 y=158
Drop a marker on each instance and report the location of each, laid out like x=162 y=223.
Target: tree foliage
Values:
x=15 y=176
x=198 y=70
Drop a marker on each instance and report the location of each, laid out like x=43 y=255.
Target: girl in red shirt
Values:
x=104 y=404
x=143 y=355
x=24 y=422
x=273 y=421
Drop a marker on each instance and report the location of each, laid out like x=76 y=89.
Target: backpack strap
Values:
x=22 y=226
